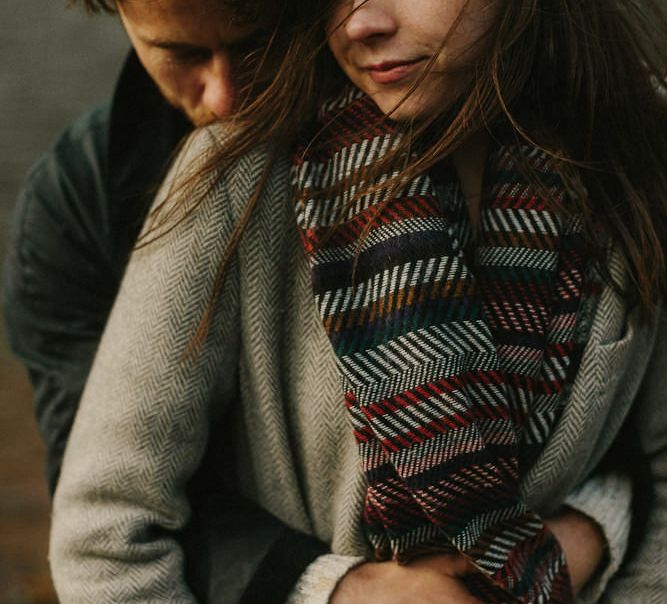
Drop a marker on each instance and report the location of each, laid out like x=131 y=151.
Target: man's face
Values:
x=191 y=49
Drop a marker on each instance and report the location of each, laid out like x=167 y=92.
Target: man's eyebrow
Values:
x=170 y=44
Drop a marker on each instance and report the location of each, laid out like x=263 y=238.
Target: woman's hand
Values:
x=437 y=579
x=582 y=541
x=428 y=580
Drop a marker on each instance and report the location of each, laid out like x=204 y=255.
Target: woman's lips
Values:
x=391 y=72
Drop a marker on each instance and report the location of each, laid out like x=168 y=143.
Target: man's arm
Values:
x=59 y=282
x=234 y=550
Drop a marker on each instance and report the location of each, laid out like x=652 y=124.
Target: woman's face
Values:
x=384 y=45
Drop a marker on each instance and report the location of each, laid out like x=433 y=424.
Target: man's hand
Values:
x=428 y=580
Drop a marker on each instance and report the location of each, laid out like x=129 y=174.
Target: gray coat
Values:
x=144 y=418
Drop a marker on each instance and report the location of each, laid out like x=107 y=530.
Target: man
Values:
x=77 y=219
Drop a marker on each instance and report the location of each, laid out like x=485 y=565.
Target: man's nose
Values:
x=218 y=93
x=370 y=19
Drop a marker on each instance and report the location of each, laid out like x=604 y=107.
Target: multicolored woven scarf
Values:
x=453 y=352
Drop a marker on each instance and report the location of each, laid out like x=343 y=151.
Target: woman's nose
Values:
x=370 y=19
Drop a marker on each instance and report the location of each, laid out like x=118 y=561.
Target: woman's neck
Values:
x=470 y=161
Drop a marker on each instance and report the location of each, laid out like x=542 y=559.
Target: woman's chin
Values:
x=414 y=107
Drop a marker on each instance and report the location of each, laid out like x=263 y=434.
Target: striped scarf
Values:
x=454 y=354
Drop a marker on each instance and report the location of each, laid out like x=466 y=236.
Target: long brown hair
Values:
x=583 y=79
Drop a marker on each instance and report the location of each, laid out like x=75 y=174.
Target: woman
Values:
x=487 y=304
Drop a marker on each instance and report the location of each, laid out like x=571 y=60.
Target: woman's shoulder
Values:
x=203 y=185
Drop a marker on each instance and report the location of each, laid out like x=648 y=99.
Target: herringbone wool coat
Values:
x=144 y=418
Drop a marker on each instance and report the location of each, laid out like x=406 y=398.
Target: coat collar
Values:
x=611 y=370
x=144 y=133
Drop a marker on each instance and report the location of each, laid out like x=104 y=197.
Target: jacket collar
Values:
x=609 y=376
x=144 y=133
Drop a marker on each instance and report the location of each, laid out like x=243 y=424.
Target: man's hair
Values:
x=96 y=6
x=244 y=10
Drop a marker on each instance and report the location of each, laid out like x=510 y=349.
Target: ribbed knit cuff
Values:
x=320 y=579
x=282 y=567
x=606 y=499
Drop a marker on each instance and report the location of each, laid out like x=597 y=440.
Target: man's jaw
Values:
x=198 y=116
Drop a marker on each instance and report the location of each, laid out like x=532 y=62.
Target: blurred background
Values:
x=55 y=63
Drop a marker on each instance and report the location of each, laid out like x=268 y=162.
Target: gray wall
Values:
x=55 y=63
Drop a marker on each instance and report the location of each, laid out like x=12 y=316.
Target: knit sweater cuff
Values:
x=319 y=580
x=606 y=499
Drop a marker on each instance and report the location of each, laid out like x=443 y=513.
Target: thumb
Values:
x=454 y=565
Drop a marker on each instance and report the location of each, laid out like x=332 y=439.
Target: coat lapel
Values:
x=612 y=366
